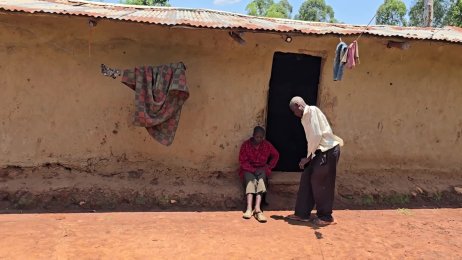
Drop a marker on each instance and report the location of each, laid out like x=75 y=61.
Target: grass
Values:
x=404 y=211
x=367 y=200
x=397 y=199
x=437 y=196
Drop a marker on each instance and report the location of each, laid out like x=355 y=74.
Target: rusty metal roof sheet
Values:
x=202 y=18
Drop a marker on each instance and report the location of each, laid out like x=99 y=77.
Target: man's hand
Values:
x=303 y=162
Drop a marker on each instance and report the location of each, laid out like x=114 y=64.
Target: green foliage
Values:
x=258 y=7
x=286 y=5
x=316 y=11
x=445 y=12
x=437 y=196
x=276 y=11
x=367 y=200
x=269 y=8
x=146 y=2
x=392 y=12
x=440 y=9
x=397 y=199
x=454 y=15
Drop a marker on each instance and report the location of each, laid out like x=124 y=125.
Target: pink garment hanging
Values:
x=351 y=57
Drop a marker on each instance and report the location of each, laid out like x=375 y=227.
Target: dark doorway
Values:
x=291 y=75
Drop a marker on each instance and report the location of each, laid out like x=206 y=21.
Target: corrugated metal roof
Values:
x=201 y=18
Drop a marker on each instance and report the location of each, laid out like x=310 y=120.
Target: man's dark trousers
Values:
x=317 y=185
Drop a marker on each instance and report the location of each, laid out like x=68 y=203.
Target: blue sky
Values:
x=347 y=11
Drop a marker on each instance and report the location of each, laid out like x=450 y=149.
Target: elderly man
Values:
x=257 y=158
x=317 y=183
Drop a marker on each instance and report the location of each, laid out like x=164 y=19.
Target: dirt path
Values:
x=384 y=234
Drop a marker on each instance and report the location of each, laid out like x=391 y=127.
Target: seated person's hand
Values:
x=260 y=171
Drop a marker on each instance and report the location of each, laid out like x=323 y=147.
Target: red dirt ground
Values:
x=381 y=234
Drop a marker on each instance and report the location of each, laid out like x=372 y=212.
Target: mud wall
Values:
x=398 y=110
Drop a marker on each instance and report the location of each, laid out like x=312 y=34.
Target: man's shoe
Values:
x=297 y=218
x=321 y=223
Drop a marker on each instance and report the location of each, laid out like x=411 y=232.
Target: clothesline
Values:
x=365 y=29
x=347 y=54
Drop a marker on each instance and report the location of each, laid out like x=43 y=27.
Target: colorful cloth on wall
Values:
x=160 y=92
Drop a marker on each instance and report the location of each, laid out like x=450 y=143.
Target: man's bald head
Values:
x=297 y=101
x=297 y=105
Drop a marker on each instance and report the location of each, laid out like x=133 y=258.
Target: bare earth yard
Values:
x=359 y=234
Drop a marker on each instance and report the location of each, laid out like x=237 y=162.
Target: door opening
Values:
x=291 y=75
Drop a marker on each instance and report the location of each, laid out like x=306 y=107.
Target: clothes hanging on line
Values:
x=340 y=51
x=351 y=58
x=345 y=55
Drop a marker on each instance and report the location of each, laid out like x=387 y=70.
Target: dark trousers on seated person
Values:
x=317 y=185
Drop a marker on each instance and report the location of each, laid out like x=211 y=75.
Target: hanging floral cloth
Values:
x=160 y=92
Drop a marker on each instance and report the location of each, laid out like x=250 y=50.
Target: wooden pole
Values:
x=428 y=13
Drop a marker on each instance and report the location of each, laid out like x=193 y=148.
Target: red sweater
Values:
x=252 y=157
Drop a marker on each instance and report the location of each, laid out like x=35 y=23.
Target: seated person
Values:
x=257 y=158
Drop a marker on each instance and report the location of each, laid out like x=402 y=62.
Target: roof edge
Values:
x=141 y=7
x=215 y=19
